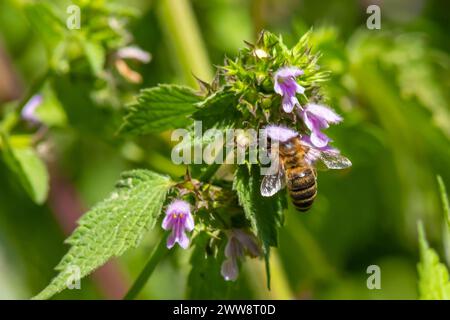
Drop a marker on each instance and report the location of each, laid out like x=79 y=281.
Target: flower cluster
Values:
x=316 y=117
x=266 y=86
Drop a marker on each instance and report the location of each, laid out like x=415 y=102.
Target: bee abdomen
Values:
x=303 y=189
x=298 y=180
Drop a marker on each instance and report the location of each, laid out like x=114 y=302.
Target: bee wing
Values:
x=273 y=183
x=331 y=160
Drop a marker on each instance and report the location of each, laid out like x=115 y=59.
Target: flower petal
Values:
x=288 y=106
x=183 y=240
x=249 y=242
x=189 y=223
x=229 y=269
x=279 y=133
x=178 y=206
x=134 y=53
x=285 y=72
x=171 y=239
x=299 y=89
x=277 y=87
x=323 y=112
x=233 y=249
x=29 y=110
x=319 y=139
x=168 y=221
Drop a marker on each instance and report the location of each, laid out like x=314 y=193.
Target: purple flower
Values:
x=178 y=219
x=134 y=53
x=29 y=110
x=317 y=117
x=239 y=243
x=279 y=133
x=130 y=53
x=287 y=86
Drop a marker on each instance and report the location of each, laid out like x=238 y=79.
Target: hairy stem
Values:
x=157 y=255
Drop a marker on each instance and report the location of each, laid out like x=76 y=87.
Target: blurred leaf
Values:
x=45 y=23
x=50 y=112
x=83 y=112
x=28 y=168
x=113 y=226
x=444 y=198
x=446 y=209
x=265 y=214
x=160 y=108
x=95 y=55
x=433 y=275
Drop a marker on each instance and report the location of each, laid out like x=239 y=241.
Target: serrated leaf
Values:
x=28 y=168
x=112 y=226
x=218 y=110
x=265 y=214
x=160 y=108
x=434 y=281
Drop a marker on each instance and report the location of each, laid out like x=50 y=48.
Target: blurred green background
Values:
x=390 y=85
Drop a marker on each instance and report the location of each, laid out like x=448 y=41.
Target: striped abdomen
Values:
x=302 y=186
x=300 y=176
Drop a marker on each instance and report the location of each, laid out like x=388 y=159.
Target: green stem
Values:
x=182 y=32
x=158 y=253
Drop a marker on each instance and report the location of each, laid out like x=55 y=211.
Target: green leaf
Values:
x=28 y=168
x=160 y=108
x=444 y=199
x=50 y=112
x=205 y=280
x=112 y=226
x=45 y=23
x=95 y=55
x=433 y=275
x=265 y=213
x=218 y=110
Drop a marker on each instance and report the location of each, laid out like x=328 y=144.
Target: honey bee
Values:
x=297 y=162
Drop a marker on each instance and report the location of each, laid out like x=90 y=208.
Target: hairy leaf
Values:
x=112 y=226
x=434 y=281
x=28 y=168
x=218 y=110
x=265 y=214
x=160 y=108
